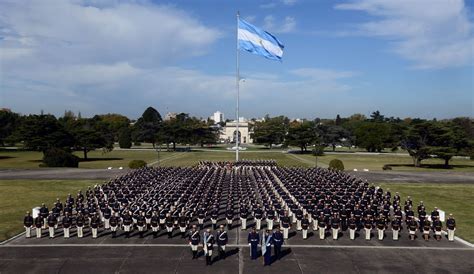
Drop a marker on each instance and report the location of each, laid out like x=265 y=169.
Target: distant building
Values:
x=170 y=115
x=218 y=117
x=229 y=132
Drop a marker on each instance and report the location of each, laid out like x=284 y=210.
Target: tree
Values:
x=376 y=116
x=42 y=132
x=147 y=127
x=125 y=138
x=89 y=133
x=333 y=135
x=271 y=130
x=302 y=135
x=8 y=123
x=418 y=140
x=115 y=122
x=372 y=136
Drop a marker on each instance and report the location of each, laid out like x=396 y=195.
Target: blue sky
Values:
x=405 y=58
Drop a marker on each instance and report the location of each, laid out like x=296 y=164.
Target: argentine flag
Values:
x=259 y=42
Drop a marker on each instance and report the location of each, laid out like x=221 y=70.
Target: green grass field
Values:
x=452 y=198
x=19 y=196
x=396 y=161
x=121 y=158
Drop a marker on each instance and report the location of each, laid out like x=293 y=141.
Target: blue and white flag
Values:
x=259 y=42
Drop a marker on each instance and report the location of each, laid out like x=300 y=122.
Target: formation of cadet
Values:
x=175 y=199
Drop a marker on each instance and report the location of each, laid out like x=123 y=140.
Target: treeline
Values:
x=421 y=138
x=57 y=138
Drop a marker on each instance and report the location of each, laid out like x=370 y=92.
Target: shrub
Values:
x=56 y=157
x=336 y=164
x=125 y=138
x=318 y=151
x=387 y=167
x=134 y=164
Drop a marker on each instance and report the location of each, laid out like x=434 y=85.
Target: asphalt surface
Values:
x=163 y=255
x=372 y=176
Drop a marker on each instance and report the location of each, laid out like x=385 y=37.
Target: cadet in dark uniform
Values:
x=285 y=224
x=201 y=215
x=141 y=224
x=253 y=240
x=114 y=222
x=352 y=225
x=127 y=224
x=270 y=218
x=67 y=223
x=229 y=215
x=437 y=227
x=412 y=227
x=155 y=224
x=44 y=212
x=52 y=222
x=39 y=221
x=335 y=225
x=169 y=225
x=381 y=226
x=194 y=240
x=222 y=240
x=80 y=221
x=368 y=225
x=396 y=227
x=322 y=226
x=95 y=223
x=183 y=224
x=243 y=217
x=258 y=214
x=214 y=216
x=28 y=223
x=426 y=227
x=451 y=226
x=277 y=242
x=267 y=240
x=208 y=246
x=305 y=226
x=106 y=214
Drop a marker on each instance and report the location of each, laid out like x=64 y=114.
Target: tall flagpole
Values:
x=238 y=93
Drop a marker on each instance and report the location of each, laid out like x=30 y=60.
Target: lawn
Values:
x=396 y=161
x=96 y=159
x=121 y=158
x=452 y=198
x=19 y=196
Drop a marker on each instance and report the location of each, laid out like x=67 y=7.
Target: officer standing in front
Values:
x=39 y=221
x=451 y=226
x=277 y=242
x=253 y=240
x=194 y=240
x=208 y=246
x=222 y=240
x=267 y=240
x=28 y=223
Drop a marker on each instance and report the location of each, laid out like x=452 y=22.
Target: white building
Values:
x=229 y=133
x=218 y=117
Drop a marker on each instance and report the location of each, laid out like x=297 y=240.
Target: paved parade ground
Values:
x=163 y=255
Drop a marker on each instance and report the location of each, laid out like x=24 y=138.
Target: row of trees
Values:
x=421 y=138
x=70 y=133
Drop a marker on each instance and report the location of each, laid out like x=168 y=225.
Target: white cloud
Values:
x=268 y=6
x=430 y=33
x=289 y=2
x=288 y=24
x=71 y=32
